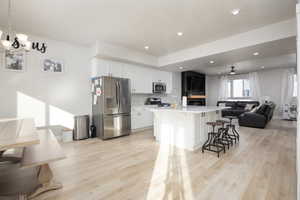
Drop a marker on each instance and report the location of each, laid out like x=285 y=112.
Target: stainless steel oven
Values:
x=159 y=87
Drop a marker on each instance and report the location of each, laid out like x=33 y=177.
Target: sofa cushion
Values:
x=230 y=104
x=253 y=110
x=222 y=104
x=249 y=106
x=240 y=105
x=261 y=109
x=231 y=112
x=237 y=112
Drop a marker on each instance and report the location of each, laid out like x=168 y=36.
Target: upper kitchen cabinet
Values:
x=141 y=78
x=116 y=69
x=102 y=67
x=165 y=77
x=99 y=68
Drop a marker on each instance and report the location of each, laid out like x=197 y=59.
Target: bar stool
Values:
x=224 y=137
x=212 y=144
x=231 y=127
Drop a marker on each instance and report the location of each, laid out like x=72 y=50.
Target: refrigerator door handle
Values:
x=119 y=96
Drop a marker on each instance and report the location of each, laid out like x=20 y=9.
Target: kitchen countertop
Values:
x=188 y=109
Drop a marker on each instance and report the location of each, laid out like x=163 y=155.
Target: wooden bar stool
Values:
x=212 y=144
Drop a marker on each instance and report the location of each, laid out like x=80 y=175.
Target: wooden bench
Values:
x=39 y=156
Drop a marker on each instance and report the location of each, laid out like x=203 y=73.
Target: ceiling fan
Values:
x=232 y=71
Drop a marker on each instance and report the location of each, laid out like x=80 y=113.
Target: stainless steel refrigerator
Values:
x=111 y=106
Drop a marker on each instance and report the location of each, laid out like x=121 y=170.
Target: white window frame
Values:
x=295 y=92
x=231 y=89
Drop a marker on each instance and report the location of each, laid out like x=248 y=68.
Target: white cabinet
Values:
x=165 y=77
x=141 y=78
x=116 y=69
x=99 y=68
x=102 y=67
x=141 y=117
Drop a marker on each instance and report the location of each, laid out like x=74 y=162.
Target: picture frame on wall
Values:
x=15 y=61
x=53 y=66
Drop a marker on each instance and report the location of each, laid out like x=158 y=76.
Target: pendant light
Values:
x=11 y=41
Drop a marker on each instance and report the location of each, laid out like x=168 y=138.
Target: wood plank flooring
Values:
x=261 y=166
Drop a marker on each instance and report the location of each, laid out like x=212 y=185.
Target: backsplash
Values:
x=139 y=99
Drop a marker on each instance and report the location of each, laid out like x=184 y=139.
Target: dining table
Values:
x=25 y=155
x=17 y=133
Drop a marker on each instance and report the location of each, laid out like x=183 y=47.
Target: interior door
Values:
x=110 y=96
x=125 y=96
x=116 y=125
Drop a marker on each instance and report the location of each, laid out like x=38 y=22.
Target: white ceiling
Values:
x=136 y=23
x=282 y=61
x=275 y=54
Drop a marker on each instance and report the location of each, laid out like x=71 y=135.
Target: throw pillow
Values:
x=249 y=106
x=254 y=109
x=222 y=104
x=262 y=108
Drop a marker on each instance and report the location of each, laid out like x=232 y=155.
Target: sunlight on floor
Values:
x=171 y=175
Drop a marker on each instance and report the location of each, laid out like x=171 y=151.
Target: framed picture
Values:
x=14 y=61
x=51 y=65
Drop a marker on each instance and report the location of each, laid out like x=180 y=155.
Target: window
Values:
x=238 y=88
x=229 y=88
x=295 y=92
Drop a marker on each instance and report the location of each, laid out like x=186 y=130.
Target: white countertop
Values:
x=188 y=109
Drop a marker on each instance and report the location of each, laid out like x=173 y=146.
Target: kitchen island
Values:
x=184 y=127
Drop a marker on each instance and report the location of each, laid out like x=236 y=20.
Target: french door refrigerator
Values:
x=111 y=106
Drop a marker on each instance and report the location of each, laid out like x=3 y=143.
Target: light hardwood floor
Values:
x=262 y=166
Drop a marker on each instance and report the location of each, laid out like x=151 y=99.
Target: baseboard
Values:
x=196 y=147
x=142 y=129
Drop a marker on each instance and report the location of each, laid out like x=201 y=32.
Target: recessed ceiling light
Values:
x=235 y=11
x=211 y=62
x=180 y=67
x=256 y=53
x=262 y=67
x=146 y=47
x=180 y=33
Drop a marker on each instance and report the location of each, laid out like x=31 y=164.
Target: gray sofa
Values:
x=236 y=107
x=259 y=118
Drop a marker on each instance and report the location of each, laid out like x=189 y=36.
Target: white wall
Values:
x=298 y=122
x=270 y=81
x=50 y=98
x=212 y=90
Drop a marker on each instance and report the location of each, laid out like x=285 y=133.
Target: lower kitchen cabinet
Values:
x=141 y=117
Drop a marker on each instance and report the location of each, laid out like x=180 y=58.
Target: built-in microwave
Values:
x=159 y=87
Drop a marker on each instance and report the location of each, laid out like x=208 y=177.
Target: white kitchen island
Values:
x=184 y=127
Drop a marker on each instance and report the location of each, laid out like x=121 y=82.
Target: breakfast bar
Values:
x=184 y=127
